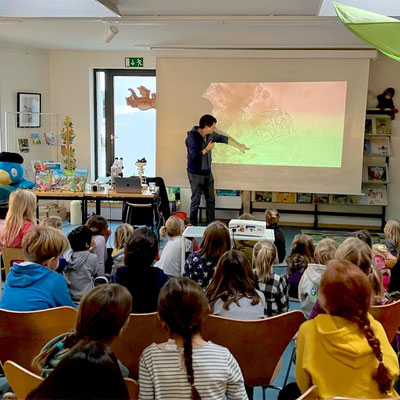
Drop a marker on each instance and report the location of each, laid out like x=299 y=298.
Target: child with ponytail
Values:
x=187 y=367
x=346 y=352
x=275 y=287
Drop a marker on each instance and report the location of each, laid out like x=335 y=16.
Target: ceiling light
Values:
x=110 y=32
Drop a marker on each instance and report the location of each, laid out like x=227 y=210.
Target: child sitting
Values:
x=274 y=287
x=392 y=233
x=301 y=254
x=233 y=291
x=121 y=236
x=379 y=261
x=187 y=367
x=272 y=218
x=102 y=314
x=33 y=284
x=142 y=279
x=171 y=257
x=309 y=282
x=82 y=265
x=99 y=227
x=346 y=352
x=20 y=218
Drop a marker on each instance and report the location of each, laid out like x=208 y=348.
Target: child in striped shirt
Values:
x=187 y=366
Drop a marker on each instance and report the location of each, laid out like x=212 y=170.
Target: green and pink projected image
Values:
x=288 y=123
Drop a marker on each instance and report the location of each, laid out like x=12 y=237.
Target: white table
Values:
x=198 y=231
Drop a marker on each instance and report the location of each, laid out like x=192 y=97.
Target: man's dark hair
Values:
x=141 y=248
x=207 y=120
x=79 y=238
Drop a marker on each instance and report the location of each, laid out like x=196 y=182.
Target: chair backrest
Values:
x=21 y=380
x=310 y=394
x=133 y=388
x=10 y=255
x=142 y=330
x=24 y=333
x=257 y=345
x=389 y=316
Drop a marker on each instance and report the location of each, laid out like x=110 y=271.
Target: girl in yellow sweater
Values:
x=346 y=351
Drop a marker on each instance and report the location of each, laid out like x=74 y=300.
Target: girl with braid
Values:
x=346 y=352
x=186 y=366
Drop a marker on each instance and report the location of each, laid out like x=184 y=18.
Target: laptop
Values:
x=128 y=185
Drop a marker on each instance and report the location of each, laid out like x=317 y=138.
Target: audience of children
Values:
x=103 y=313
x=89 y=371
x=20 y=218
x=200 y=265
x=187 y=367
x=309 y=283
x=233 y=291
x=142 y=279
x=272 y=219
x=171 y=257
x=274 y=287
x=33 y=284
x=99 y=227
x=346 y=351
x=246 y=246
x=392 y=233
x=301 y=254
x=82 y=265
x=121 y=236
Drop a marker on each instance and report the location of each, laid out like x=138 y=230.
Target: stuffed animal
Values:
x=385 y=101
x=12 y=174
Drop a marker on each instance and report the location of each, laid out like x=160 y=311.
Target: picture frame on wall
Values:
x=29 y=109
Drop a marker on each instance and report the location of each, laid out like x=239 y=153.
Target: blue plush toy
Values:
x=12 y=174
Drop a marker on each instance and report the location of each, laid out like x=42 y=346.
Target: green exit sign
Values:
x=134 y=62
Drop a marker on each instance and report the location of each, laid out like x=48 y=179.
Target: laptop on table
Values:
x=128 y=185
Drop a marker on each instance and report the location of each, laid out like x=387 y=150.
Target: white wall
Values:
x=71 y=91
x=21 y=70
x=384 y=73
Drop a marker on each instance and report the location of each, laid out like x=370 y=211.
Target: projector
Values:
x=243 y=227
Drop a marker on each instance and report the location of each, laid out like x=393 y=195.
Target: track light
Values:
x=110 y=32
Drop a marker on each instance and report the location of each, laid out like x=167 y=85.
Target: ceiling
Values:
x=259 y=24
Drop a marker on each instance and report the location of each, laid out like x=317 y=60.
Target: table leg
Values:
x=98 y=207
x=84 y=211
x=37 y=209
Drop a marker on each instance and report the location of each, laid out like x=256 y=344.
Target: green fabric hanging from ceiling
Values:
x=379 y=31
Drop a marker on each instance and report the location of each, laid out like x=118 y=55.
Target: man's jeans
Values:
x=199 y=184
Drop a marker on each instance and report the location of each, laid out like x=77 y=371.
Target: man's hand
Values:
x=243 y=148
x=210 y=146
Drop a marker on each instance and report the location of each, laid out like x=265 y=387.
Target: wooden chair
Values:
x=142 y=330
x=22 y=381
x=24 y=333
x=257 y=345
x=10 y=255
x=310 y=394
x=389 y=316
x=133 y=388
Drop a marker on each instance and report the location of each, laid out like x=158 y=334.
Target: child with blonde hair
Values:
x=272 y=219
x=20 y=218
x=171 y=257
x=121 y=236
x=380 y=254
x=34 y=284
x=274 y=287
x=309 y=282
x=392 y=234
x=54 y=221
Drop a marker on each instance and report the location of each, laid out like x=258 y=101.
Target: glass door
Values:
x=125 y=119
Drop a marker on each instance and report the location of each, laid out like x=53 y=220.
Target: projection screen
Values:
x=302 y=120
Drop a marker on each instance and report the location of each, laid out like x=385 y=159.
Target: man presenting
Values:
x=199 y=143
